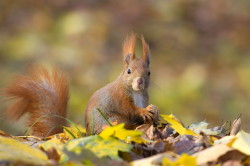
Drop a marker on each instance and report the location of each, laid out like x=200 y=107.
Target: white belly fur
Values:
x=138 y=99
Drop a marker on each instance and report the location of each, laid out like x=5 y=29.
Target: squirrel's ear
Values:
x=128 y=47
x=145 y=51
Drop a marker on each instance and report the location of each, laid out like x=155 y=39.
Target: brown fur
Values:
x=116 y=100
x=42 y=95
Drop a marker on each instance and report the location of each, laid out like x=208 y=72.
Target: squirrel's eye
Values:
x=149 y=73
x=129 y=71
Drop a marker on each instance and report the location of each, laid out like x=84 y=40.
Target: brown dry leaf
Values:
x=204 y=139
x=129 y=156
x=56 y=143
x=235 y=127
x=155 y=160
x=167 y=131
x=162 y=146
x=247 y=161
x=52 y=154
x=232 y=163
x=232 y=158
x=183 y=146
x=148 y=130
x=212 y=153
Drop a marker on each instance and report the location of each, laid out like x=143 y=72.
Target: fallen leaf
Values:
x=74 y=131
x=183 y=160
x=14 y=151
x=155 y=160
x=231 y=158
x=203 y=127
x=85 y=157
x=52 y=154
x=121 y=133
x=241 y=143
x=32 y=141
x=212 y=153
x=160 y=146
x=226 y=140
x=167 y=131
x=148 y=130
x=177 y=126
x=57 y=143
x=101 y=147
x=183 y=146
x=247 y=161
x=235 y=127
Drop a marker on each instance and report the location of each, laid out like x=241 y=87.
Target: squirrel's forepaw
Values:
x=151 y=114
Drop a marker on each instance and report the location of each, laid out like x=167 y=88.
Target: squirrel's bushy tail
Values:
x=42 y=94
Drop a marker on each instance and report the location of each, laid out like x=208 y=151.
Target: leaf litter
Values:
x=168 y=144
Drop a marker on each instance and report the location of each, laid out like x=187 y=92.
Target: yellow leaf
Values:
x=72 y=163
x=167 y=162
x=121 y=133
x=177 y=126
x=183 y=160
x=61 y=137
x=186 y=160
x=57 y=141
x=73 y=132
x=241 y=142
x=14 y=151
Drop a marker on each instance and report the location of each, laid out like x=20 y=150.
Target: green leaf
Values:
x=121 y=133
x=177 y=126
x=101 y=147
x=14 y=151
x=86 y=157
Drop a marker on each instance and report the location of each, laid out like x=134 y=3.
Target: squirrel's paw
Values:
x=151 y=114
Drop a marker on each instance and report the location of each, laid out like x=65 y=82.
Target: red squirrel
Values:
x=45 y=95
x=126 y=99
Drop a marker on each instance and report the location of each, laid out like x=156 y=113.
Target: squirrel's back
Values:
x=44 y=96
x=103 y=99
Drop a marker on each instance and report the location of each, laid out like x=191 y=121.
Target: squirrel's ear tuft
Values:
x=145 y=51
x=128 y=47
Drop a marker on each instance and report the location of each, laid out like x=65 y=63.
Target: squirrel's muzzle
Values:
x=138 y=84
x=140 y=81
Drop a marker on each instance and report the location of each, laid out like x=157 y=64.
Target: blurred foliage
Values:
x=200 y=51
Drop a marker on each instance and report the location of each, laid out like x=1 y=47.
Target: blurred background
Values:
x=200 y=56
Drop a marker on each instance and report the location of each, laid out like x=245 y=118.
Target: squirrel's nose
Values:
x=139 y=81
